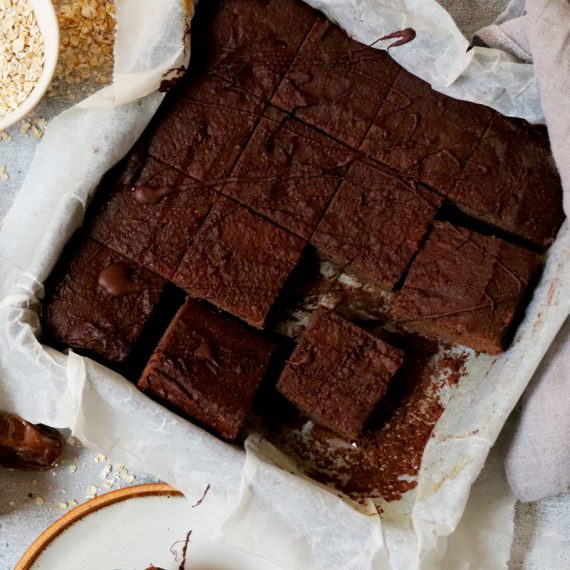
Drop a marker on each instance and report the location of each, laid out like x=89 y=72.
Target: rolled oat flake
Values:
x=21 y=53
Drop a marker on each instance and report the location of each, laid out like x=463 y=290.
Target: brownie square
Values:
x=99 y=302
x=336 y=84
x=338 y=373
x=204 y=126
x=239 y=261
x=422 y=133
x=250 y=42
x=466 y=288
x=376 y=222
x=152 y=220
x=289 y=172
x=511 y=182
x=208 y=367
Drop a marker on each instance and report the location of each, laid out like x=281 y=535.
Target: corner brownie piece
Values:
x=336 y=84
x=100 y=302
x=208 y=366
x=239 y=261
x=338 y=373
x=466 y=288
x=425 y=134
x=203 y=127
x=376 y=222
x=249 y=42
x=152 y=220
x=511 y=182
x=288 y=172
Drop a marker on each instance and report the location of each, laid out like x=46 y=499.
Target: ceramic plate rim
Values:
x=52 y=532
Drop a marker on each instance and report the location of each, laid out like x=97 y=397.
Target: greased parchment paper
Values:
x=258 y=498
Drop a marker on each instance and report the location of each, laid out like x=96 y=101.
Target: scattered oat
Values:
x=72 y=468
x=5 y=136
x=91 y=491
x=3 y=174
x=25 y=127
x=99 y=458
x=21 y=53
x=39 y=501
x=62 y=506
x=128 y=478
x=104 y=474
x=71 y=504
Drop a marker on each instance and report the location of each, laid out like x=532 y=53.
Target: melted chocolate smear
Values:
x=205 y=351
x=405 y=36
x=305 y=360
x=152 y=195
x=185 y=543
x=171 y=78
x=116 y=281
x=201 y=500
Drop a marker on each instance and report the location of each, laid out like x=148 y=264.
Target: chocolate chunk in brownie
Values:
x=250 y=42
x=239 y=261
x=203 y=127
x=152 y=220
x=376 y=222
x=466 y=288
x=422 y=133
x=511 y=182
x=289 y=172
x=208 y=367
x=338 y=373
x=99 y=302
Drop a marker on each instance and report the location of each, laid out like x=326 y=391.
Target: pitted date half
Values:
x=27 y=446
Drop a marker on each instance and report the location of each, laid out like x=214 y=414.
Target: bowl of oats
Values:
x=29 y=45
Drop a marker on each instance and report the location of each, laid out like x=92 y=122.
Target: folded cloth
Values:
x=538 y=461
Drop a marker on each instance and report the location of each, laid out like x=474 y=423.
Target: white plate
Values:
x=131 y=529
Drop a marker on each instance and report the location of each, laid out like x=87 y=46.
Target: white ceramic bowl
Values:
x=47 y=22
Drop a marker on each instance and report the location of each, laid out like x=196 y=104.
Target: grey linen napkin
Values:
x=538 y=460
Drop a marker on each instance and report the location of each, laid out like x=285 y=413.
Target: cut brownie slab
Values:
x=208 y=366
x=289 y=172
x=100 y=302
x=203 y=127
x=336 y=84
x=249 y=42
x=422 y=133
x=376 y=222
x=338 y=373
x=152 y=220
x=511 y=182
x=239 y=261
x=466 y=288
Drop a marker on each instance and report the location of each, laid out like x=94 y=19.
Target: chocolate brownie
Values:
x=422 y=133
x=203 y=127
x=208 y=366
x=375 y=222
x=100 y=302
x=239 y=261
x=338 y=373
x=249 y=42
x=336 y=84
x=466 y=288
x=288 y=172
x=511 y=182
x=152 y=220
